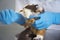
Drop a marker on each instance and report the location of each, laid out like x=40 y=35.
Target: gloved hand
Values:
x=9 y=16
x=46 y=19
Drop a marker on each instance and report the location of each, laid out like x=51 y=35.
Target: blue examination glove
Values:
x=46 y=19
x=9 y=16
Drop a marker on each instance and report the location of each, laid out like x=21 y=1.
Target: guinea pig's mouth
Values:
x=27 y=13
x=35 y=14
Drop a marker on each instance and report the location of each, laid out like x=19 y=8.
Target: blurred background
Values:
x=8 y=32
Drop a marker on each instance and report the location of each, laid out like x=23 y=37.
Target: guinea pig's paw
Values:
x=36 y=38
x=39 y=37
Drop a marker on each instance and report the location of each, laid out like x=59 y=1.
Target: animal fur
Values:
x=25 y=35
x=28 y=10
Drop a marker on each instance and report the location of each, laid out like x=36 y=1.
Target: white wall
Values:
x=49 y=5
x=7 y=4
x=20 y=4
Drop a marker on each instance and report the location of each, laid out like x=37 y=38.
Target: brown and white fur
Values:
x=33 y=10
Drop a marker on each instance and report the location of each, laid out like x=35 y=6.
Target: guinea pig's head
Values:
x=29 y=10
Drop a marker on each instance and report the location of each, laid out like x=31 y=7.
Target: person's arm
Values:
x=9 y=16
x=46 y=19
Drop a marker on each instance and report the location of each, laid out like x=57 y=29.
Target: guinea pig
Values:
x=33 y=10
x=29 y=10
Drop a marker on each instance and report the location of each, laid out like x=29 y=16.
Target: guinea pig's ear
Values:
x=37 y=10
x=41 y=10
x=21 y=11
x=36 y=5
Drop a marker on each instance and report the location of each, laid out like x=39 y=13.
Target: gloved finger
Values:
x=7 y=14
x=4 y=17
x=39 y=21
x=41 y=26
x=2 y=14
x=38 y=25
x=15 y=16
x=12 y=12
